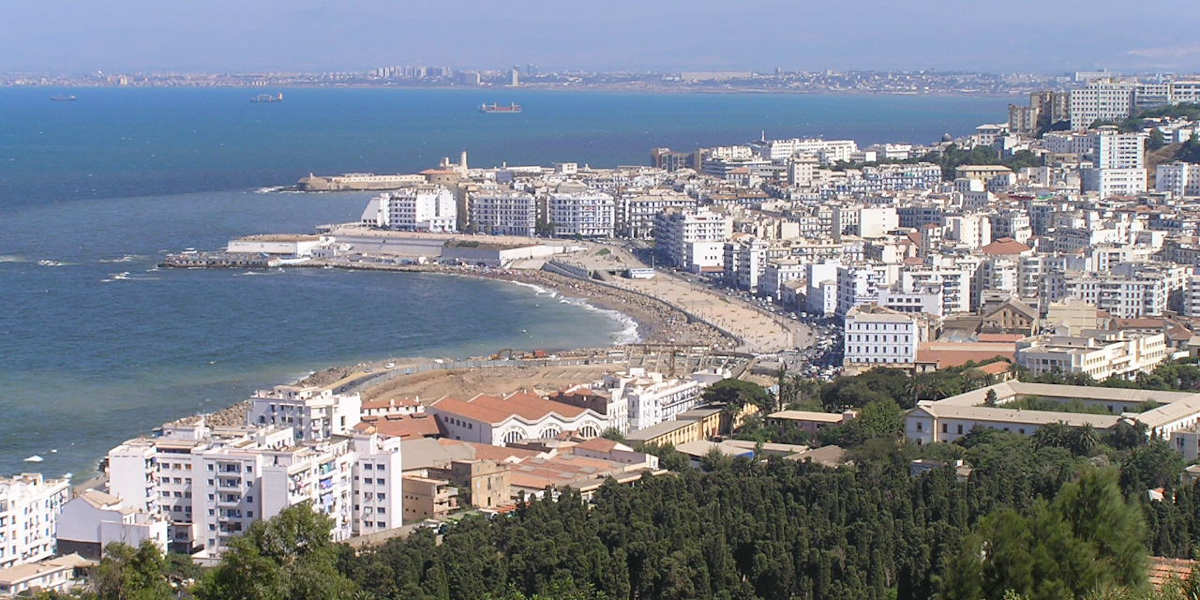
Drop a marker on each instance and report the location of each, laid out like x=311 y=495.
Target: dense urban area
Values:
x=531 y=76
x=960 y=370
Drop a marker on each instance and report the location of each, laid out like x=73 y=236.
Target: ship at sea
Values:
x=512 y=107
x=63 y=98
x=267 y=98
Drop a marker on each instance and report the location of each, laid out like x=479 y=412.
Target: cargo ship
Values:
x=267 y=98
x=512 y=107
x=65 y=98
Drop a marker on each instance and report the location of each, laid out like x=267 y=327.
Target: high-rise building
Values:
x=504 y=212
x=29 y=505
x=418 y=208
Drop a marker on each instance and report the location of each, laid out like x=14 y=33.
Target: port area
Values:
x=668 y=308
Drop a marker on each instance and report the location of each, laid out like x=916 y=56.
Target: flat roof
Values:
x=1018 y=416
x=654 y=431
x=807 y=415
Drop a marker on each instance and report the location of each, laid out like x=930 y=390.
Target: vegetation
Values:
x=1061 y=514
x=1074 y=405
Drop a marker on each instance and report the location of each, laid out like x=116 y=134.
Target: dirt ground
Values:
x=432 y=385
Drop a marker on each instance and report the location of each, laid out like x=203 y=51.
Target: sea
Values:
x=98 y=345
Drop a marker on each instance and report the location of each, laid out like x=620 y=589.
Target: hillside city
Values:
x=964 y=324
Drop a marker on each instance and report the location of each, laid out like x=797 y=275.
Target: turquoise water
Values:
x=97 y=346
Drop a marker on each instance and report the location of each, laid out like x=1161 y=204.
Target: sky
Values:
x=1047 y=36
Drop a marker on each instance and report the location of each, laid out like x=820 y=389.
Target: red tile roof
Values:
x=493 y=409
x=1005 y=245
x=402 y=426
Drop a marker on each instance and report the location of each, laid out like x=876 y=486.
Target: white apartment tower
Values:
x=418 y=208
x=582 y=213
x=29 y=505
x=504 y=213
x=315 y=413
x=674 y=231
x=877 y=335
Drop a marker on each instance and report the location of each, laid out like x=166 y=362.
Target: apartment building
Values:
x=581 y=212
x=315 y=413
x=1101 y=101
x=504 y=212
x=93 y=519
x=1112 y=182
x=1178 y=178
x=1122 y=296
x=676 y=231
x=418 y=208
x=649 y=397
x=880 y=336
x=636 y=214
x=1095 y=353
x=29 y=506
x=1111 y=149
x=745 y=261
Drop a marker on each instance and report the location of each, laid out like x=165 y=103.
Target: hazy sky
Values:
x=218 y=35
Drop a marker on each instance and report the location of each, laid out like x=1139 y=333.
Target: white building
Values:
x=1178 y=178
x=1111 y=149
x=93 y=520
x=1101 y=101
x=675 y=230
x=649 y=397
x=1122 y=296
x=378 y=473
x=29 y=505
x=877 y=335
x=500 y=420
x=828 y=151
x=745 y=261
x=582 y=213
x=821 y=288
x=417 y=208
x=315 y=413
x=213 y=483
x=637 y=214
x=1096 y=354
x=1112 y=182
x=504 y=213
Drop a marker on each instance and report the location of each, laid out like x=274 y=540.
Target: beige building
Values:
x=1098 y=354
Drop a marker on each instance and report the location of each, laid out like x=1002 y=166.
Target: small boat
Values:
x=512 y=108
x=64 y=98
x=267 y=98
x=35 y=459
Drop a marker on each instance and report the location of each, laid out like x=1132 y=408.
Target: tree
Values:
x=1087 y=540
x=735 y=394
x=127 y=573
x=1156 y=139
x=989 y=399
x=290 y=556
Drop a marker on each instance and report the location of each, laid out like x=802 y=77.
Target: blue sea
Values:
x=97 y=345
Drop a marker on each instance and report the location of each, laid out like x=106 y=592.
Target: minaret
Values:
x=462 y=161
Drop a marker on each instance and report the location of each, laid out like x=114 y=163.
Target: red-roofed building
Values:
x=405 y=427
x=499 y=420
x=1006 y=246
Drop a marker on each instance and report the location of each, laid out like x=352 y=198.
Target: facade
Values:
x=1101 y=101
x=1178 y=178
x=1111 y=149
x=418 y=208
x=55 y=575
x=636 y=215
x=877 y=335
x=504 y=213
x=1124 y=297
x=1098 y=355
x=1112 y=182
x=501 y=420
x=94 y=519
x=29 y=506
x=213 y=483
x=675 y=233
x=315 y=413
x=650 y=398
x=583 y=213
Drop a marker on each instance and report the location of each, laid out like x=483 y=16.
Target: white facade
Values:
x=1178 y=178
x=419 y=208
x=1098 y=356
x=500 y=420
x=1113 y=182
x=584 y=214
x=649 y=397
x=315 y=413
x=1101 y=101
x=877 y=335
x=821 y=288
x=504 y=213
x=97 y=519
x=674 y=230
x=1111 y=149
x=378 y=494
x=1123 y=297
x=29 y=505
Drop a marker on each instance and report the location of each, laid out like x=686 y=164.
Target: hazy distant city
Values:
x=531 y=76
